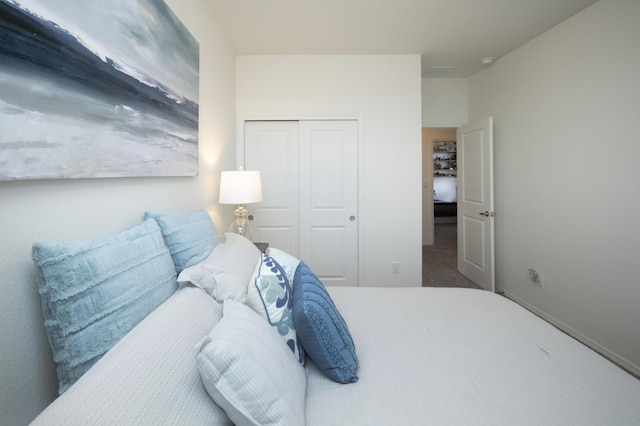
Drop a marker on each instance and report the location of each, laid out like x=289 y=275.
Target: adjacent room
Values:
x=432 y=178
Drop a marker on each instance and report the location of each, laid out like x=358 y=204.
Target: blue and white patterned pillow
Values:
x=288 y=262
x=269 y=294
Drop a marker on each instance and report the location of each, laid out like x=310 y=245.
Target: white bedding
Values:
x=150 y=377
x=465 y=357
x=436 y=356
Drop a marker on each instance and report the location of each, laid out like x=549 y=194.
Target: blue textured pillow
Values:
x=94 y=291
x=324 y=334
x=190 y=236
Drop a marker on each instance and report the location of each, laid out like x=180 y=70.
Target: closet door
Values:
x=328 y=200
x=310 y=191
x=272 y=148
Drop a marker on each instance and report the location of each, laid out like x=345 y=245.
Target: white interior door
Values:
x=310 y=191
x=328 y=200
x=475 y=203
x=272 y=148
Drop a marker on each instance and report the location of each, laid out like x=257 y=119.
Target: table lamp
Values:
x=240 y=187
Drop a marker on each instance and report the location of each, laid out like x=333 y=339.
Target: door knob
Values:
x=250 y=217
x=485 y=214
x=352 y=218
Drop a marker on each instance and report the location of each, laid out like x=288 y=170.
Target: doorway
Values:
x=439 y=251
x=474 y=199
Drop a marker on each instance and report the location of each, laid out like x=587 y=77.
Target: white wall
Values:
x=73 y=209
x=566 y=106
x=384 y=91
x=444 y=102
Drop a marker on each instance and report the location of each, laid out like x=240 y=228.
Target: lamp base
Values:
x=241 y=225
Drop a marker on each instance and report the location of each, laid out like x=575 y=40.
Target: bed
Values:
x=407 y=356
x=456 y=356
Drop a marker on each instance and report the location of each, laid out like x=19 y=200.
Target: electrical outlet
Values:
x=536 y=277
x=395 y=267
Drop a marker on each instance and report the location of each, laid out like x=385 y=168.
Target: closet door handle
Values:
x=352 y=218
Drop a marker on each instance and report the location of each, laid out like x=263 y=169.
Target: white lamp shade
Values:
x=240 y=187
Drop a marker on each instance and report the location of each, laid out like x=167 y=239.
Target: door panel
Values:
x=328 y=257
x=328 y=200
x=474 y=242
x=472 y=177
x=272 y=148
x=475 y=203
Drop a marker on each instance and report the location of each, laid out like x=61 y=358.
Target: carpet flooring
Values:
x=440 y=261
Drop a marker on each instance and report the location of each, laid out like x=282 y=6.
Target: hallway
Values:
x=439 y=261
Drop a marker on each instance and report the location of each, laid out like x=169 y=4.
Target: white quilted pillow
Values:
x=249 y=373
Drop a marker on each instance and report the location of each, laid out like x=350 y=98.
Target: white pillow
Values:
x=270 y=295
x=225 y=274
x=249 y=373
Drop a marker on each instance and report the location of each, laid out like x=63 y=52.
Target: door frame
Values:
x=278 y=115
x=429 y=203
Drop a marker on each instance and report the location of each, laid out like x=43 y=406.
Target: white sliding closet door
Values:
x=272 y=148
x=310 y=190
x=328 y=200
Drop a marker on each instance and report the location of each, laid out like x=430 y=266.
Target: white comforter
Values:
x=427 y=356
x=441 y=356
x=150 y=377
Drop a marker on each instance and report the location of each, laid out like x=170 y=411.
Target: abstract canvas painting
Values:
x=96 y=88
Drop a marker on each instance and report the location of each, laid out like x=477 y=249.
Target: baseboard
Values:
x=613 y=357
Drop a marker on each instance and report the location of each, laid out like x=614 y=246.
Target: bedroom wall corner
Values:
x=565 y=108
x=87 y=208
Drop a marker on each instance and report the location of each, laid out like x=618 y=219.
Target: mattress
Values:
x=447 y=356
x=150 y=376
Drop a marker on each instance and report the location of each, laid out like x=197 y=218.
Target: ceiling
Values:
x=446 y=33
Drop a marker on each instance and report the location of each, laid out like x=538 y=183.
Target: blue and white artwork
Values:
x=96 y=88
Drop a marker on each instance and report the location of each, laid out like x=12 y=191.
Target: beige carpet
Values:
x=439 y=261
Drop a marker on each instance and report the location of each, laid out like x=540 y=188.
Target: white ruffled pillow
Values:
x=225 y=274
x=249 y=373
